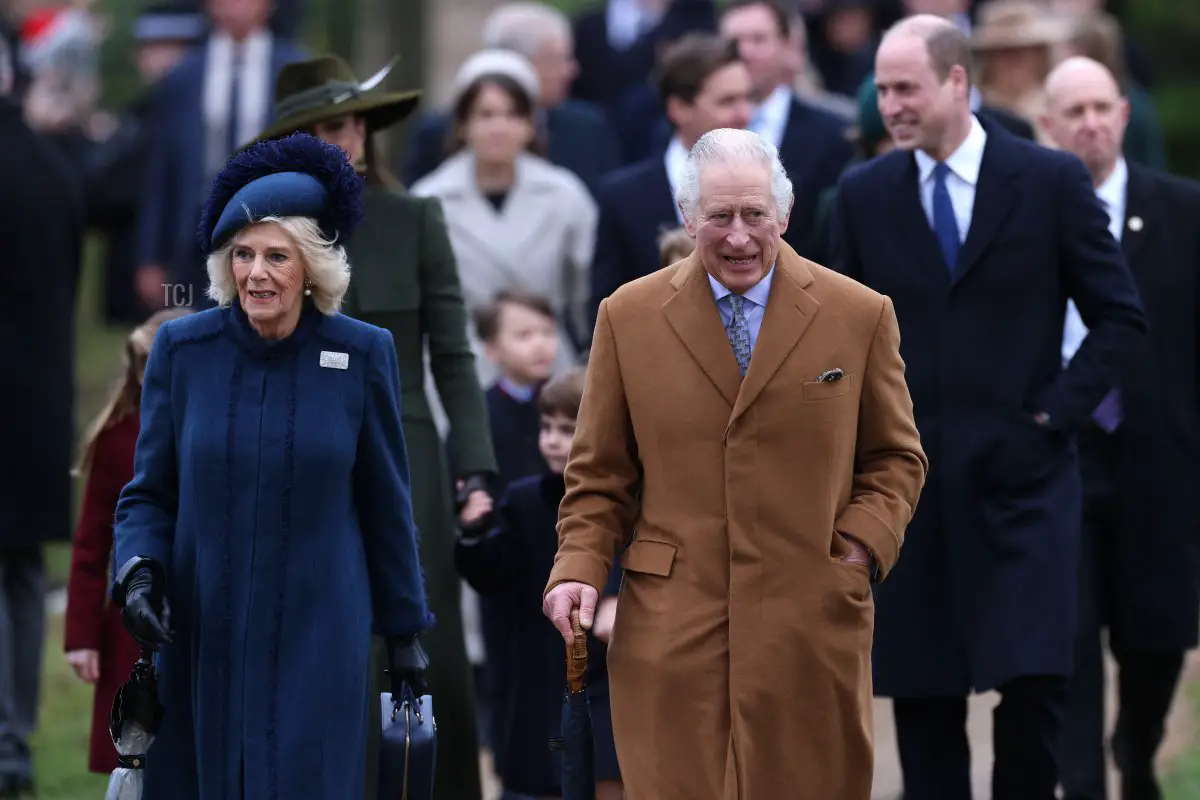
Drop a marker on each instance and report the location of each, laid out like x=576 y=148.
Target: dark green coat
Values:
x=404 y=278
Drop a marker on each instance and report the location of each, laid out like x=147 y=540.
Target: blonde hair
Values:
x=675 y=245
x=326 y=267
x=126 y=394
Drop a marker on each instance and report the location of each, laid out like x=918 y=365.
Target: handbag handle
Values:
x=577 y=655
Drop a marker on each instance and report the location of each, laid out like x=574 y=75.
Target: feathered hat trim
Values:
x=296 y=176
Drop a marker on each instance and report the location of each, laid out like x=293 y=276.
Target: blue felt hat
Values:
x=296 y=176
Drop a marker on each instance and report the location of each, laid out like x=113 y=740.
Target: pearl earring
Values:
x=307 y=289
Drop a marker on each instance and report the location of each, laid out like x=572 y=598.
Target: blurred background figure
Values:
x=42 y=222
x=1137 y=478
x=576 y=133
x=1014 y=43
x=217 y=98
x=516 y=221
x=116 y=160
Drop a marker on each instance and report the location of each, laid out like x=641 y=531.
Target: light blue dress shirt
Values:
x=754 y=309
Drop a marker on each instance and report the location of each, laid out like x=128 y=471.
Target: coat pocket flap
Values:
x=827 y=390
x=649 y=557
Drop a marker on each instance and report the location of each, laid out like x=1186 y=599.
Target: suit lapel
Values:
x=995 y=196
x=914 y=224
x=663 y=195
x=693 y=313
x=1141 y=212
x=790 y=310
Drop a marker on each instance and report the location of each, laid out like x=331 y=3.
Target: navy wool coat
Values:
x=511 y=563
x=274 y=487
x=985 y=588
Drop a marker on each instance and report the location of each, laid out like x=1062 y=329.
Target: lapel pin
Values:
x=332 y=360
x=1135 y=224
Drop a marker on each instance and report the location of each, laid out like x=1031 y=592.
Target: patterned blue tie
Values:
x=739 y=333
x=945 y=226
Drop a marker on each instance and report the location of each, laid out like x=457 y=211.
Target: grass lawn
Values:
x=1183 y=779
x=60 y=746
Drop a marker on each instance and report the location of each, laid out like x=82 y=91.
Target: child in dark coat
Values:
x=512 y=551
x=520 y=337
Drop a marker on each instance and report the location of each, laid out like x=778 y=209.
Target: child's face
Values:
x=554 y=440
x=525 y=346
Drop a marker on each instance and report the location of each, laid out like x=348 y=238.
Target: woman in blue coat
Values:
x=268 y=531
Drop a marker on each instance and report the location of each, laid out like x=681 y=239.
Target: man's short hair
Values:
x=562 y=395
x=524 y=27
x=949 y=47
x=783 y=18
x=690 y=62
x=487 y=316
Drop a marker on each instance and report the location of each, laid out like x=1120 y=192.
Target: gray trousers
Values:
x=22 y=634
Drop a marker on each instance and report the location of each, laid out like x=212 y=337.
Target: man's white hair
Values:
x=733 y=146
x=326 y=267
x=524 y=27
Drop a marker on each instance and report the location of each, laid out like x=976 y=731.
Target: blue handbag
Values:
x=408 y=752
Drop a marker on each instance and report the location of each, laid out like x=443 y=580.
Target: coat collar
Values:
x=456 y=177
x=692 y=313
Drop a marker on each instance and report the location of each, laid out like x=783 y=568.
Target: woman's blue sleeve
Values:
x=145 y=519
x=383 y=496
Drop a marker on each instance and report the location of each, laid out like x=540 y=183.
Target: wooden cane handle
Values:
x=577 y=655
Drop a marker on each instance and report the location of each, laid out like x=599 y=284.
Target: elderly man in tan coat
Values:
x=747 y=429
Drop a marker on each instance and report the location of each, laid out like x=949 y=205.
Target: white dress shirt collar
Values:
x=1112 y=194
x=757 y=294
x=674 y=161
x=626 y=20
x=964 y=162
x=770 y=119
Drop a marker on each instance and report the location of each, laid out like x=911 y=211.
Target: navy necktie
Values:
x=235 y=101
x=945 y=226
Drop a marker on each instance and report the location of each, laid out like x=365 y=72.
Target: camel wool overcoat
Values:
x=740 y=660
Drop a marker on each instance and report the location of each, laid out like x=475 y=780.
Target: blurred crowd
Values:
x=554 y=163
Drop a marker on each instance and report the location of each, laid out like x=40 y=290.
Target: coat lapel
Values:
x=1141 y=213
x=995 y=196
x=913 y=224
x=693 y=313
x=790 y=310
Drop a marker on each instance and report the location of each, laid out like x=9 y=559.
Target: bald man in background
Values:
x=1140 y=551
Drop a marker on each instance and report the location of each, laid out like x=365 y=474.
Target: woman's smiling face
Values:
x=269 y=274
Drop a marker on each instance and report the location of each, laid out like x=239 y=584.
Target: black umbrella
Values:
x=133 y=722
x=576 y=743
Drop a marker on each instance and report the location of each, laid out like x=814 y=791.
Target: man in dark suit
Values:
x=215 y=100
x=703 y=85
x=980 y=239
x=577 y=134
x=812 y=143
x=618 y=43
x=42 y=225
x=1139 y=573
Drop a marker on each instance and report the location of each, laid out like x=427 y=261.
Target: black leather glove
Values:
x=470 y=483
x=407 y=666
x=140 y=592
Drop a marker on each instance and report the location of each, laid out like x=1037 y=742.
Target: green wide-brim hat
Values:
x=321 y=88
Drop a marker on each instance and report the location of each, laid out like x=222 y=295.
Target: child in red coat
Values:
x=97 y=646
